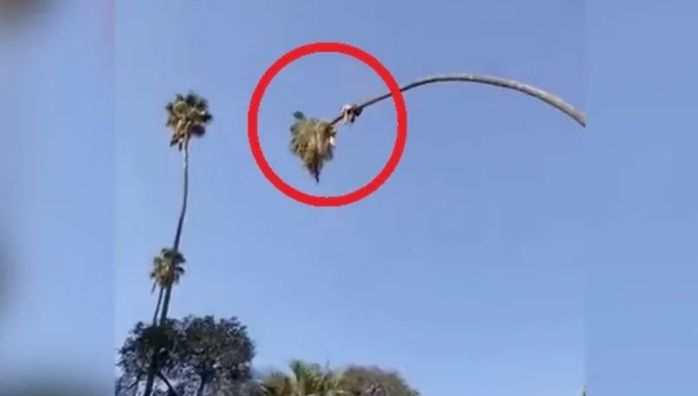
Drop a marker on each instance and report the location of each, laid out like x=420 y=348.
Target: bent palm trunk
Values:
x=527 y=89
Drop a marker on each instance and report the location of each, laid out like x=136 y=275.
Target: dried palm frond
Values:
x=312 y=141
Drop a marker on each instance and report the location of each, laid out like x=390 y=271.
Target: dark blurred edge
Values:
x=16 y=18
x=5 y=275
x=18 y=12
x=32 y=387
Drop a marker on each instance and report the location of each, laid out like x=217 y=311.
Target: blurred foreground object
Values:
x=4 y=279
x=15 y=13
x=43 y=387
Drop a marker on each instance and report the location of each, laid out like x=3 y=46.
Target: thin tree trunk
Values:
x=157 y=307
x=180 y=224
x=185 y=195
x=527 y=89
x=175 y=249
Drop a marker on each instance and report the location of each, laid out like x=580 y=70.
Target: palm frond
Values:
x=167 y=268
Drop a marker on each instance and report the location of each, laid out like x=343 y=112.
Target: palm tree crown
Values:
x=304 y=380
x=312 y=141
x=167 y=268
x=187 y=116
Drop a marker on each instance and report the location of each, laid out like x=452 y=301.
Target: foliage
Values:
x=312 y=141
x=167 y=268
x=304 y=379
x=197 y=354
x=187 y=116
x=201 y=356
x=136 y=353
x=370 y=381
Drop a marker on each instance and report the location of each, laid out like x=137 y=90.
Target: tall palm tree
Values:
x=312 y=140
x=304 y=380
x=188 y=116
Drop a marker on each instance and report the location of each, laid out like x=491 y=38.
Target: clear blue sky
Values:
x=464 y=271
x=641 y=166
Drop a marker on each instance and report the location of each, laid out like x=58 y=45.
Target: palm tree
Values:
x=167 y=270
x=187 y=116
x=312 y=140
x=304 y=380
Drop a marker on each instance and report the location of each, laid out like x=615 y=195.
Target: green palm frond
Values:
x=278 y=384
x=167 y=268
x=304 y=379
x=312 y=141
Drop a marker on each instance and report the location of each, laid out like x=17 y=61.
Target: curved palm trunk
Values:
x=175 y=248
x=180 y=224
x=527 y=89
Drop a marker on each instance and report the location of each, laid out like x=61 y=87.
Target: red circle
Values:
x=400 y=140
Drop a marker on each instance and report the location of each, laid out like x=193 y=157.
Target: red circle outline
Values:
x=400 y=107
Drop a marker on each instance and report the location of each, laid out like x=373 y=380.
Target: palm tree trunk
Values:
x=175 y=248
x=527 y=89
x=157 y=307
x=185 y=195
x=180 y=225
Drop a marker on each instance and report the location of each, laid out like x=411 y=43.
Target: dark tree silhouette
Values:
x=197 y=356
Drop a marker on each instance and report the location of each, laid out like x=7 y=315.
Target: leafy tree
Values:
x=373 y=381
x=213 y=354
x=187 y=117
x=196 y=356
x=312 y=140
x=138 y=349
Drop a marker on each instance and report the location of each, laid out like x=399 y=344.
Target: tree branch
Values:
x=170 y=388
